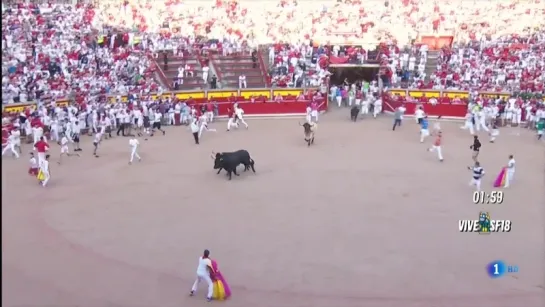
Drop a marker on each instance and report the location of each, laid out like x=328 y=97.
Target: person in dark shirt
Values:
x=165 y=60
x=476 y=147
x=254 y=59
x=213 y=82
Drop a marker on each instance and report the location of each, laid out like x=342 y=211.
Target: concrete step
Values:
x=196 y=73
x=233 y=66
x=236 y=73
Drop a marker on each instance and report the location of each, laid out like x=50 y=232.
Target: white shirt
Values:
x=419 y=113
x=45 y=166
x=511 y=165
x=194 y=127
x=157 y=118
x=33 y=163
x=239 y=112
x=204 y=264
x=64 y=141
x=134 y=143
x=98 y=136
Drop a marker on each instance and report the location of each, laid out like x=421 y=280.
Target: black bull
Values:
x=354 y=113
x=230 y=160
x=309 y=133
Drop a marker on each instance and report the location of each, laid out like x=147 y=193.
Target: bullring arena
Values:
x=365 y=217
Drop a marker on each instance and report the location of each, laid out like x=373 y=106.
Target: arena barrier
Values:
x=290 y=106
x=395 y=97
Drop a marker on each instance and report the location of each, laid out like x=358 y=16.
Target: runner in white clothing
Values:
x=203 y=273
x=204 y=126
x=10 y=145
x=44 y=168
x=239 y=112
x=64 y=148
x=96 y=142
x=134 y=143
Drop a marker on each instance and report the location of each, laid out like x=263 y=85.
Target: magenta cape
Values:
x=221 y=288
x=500 y=180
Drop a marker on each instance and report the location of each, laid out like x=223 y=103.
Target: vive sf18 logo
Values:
x=484 y=225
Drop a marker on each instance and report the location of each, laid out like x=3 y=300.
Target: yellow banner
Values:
x=190 y=95
x=428 y=94
x=248 y=94
x=401 y=93
x=494 y=95
x=287 y=92
x=19 y=107
x=456 y=94
x=225 y=94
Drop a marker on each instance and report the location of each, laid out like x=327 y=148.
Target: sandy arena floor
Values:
x=366 y=217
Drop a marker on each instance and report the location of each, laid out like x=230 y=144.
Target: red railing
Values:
x=216 y=68
x=162 y=74
x=264 y=70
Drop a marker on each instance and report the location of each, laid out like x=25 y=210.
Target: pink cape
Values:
x=500 y=180
x=217 y=276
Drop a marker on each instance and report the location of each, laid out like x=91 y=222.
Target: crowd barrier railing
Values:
x=224 y=97
x=446 y=110
x=417 y=93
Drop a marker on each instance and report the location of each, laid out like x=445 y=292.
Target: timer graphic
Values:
x=485 y=198
x=498 y=268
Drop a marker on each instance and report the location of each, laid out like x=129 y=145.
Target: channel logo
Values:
x=498 y=268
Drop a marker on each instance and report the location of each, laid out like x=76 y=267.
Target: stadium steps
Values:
x=194 y=82
x=431 y=63
x=229 y=68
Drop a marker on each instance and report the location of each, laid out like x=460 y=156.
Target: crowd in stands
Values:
x=52 y=52
x=77 y=51
x=510 y=64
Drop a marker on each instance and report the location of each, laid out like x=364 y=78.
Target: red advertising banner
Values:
x=338 y=60
x=437 y=42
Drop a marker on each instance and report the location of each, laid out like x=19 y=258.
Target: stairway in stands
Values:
x=170 y=72
x=431 y=62
x=229 y=68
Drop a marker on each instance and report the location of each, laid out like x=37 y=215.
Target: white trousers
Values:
x=509 y=178
x=424 y=133
x=208 y=281
x=242 y=84
x=205 y=77
x=482 y=123
x=476 y=183
x=204 y=127
x=41 y=157
x=47 y=176
x=243 y=122
x=438 y=150
x=231 y=123
x=377 y=110
x=469 y=125
x=365 y=108
x=339 y=100
x=314 y=114
x=11 y=146
x=134 y=153
x=55 y=134
x=210 y=116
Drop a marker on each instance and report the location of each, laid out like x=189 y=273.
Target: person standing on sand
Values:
x=203 y=273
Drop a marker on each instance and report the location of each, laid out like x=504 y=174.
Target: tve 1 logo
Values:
x=498 y=268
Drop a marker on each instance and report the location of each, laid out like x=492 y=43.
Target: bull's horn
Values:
x=213 y=153
x=212 y=156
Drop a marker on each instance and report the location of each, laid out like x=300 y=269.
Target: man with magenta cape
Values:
x=221 y=288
